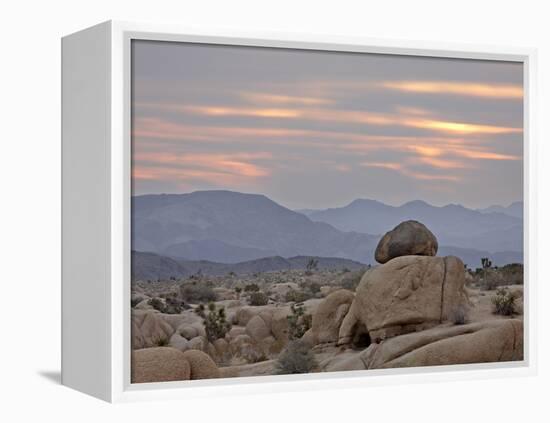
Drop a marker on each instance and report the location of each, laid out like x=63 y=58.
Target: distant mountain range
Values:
x=227 y=227
x=452 y=224
x=514 y=209
x=149 y=266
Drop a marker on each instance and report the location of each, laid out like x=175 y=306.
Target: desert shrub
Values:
x=161 y=342
x=298 y=321
x=174 y=306
x=157 y=304
x=504 y=303
x=459 y=315
x=297 y=296
x=491 y=279
x=258 y=299
x=251 y=287
x=252 y=354
x=215 y=322
x=295 y=358
x=196 y=292
x=512 y=273
x=310 y=287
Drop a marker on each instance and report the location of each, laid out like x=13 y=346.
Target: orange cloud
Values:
x=284 y=99
x=240 y=111
x=383 y=165
x=352 y=116
x=500 y=91
x=218 y=169
x=441 y=163
x=460 y=128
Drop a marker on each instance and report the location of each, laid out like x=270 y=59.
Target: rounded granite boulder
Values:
x=161 y=364
x=409 y=238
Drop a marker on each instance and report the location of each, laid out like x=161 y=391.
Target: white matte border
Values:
x=121 y=389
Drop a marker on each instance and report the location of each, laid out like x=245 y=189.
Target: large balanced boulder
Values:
x=407 y=294
x=329 y=315
x=202 y=365
x=162 y=364
x=407 y=238
x=483 y=342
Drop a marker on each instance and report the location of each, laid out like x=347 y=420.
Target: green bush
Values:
x=197 y=292
x=295 y=358
x=504 y=303
x=258 y=299
x=251 y=287
x=215 y=322
x=298 y=322
x=296 y=296
x=459 y=315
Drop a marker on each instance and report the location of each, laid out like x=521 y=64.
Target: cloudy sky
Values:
x=320 y=129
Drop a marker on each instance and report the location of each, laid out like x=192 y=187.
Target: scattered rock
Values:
x=149 y=329
x=257 y=329
x=407 y=238
x=202 y=365
x=161 y=364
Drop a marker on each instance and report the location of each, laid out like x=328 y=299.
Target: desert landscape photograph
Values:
x=306 y=211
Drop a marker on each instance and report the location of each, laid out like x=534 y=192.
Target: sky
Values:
x=317 y=129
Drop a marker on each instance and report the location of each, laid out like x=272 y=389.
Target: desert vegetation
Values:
x=315 y=319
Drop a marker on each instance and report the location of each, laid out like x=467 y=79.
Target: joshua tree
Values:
x=215 y=324
x=486 y=264
x=312 y=264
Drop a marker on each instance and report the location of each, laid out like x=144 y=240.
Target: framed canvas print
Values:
x=266 y=212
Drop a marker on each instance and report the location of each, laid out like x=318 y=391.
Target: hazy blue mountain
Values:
x=452 y=224
x=472 y=257
x=514 y=209
x=223 y=227
x=229 y=226
x=150 y=266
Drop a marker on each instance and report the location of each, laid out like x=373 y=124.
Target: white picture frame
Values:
x=96 y=187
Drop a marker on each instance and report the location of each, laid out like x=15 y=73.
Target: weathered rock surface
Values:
x=257 y=329
x=329 y=315
x=481 y=342
x=161 y=364
x=407 y=294
x=263 y=368
x=149 y=329
x=407 y=238
x=484 y=342
x=202 y=365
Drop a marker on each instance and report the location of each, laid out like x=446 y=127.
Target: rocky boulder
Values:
x=407 y=238
x=257 y=329
x=202 y=365
x=149 y=329
x=483 y=342
x=407 y=294
x=329 y=315
x=162 y=364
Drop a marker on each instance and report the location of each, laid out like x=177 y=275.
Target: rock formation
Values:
x=407 y=294
x=406 y=239
x=162 y=364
